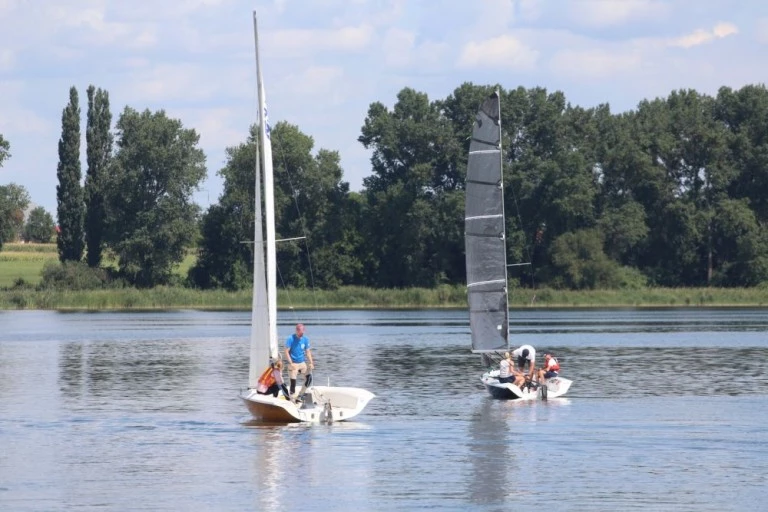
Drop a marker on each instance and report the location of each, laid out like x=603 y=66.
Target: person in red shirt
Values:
x=551 y=368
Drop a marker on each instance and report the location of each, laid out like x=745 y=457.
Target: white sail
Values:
x=264 y=308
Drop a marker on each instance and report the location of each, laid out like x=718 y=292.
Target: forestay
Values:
x=486 y=257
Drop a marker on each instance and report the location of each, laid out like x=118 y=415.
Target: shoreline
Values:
x=351 y=298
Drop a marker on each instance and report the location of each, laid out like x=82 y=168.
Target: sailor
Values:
x=505 y=369
x=298 y=353
x=526 y=354
x=550 y=369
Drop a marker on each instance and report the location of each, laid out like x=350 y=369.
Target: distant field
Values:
x=26 y=261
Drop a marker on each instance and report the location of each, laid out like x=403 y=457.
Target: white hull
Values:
x=322 y=404
x=556 y=387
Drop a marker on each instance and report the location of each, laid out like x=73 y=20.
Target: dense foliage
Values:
x=69 y=192
x=150 y=217
x=673 y=193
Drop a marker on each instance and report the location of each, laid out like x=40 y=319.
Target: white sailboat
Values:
x=318 y=403
x=486 y=255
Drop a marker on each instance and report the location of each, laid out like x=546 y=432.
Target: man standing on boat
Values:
x=526 y=354
x=299 y=353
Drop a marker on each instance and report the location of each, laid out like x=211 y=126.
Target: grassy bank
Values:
x=358 y=297
x=26 y=261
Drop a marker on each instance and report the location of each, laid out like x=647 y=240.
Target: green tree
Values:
x=39 y=227
x=581 y=262
x=13 y=201
x=550 y=175
x=311 y=201
x=5 y=148
x=417 y=160
x=69 y=193
x=225 y=258
x=99 y=151
x=150 y=214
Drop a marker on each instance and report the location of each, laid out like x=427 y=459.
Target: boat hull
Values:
x=321 y=404
x=556 y=387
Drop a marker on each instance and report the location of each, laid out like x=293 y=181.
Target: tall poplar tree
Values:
x=69 y=193
x=98 y=153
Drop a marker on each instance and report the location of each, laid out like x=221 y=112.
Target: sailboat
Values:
x=317 y=404
x=486 y=255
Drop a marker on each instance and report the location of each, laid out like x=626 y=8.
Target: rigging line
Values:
x=525 y=244
x=303 y=228
x=288 y=293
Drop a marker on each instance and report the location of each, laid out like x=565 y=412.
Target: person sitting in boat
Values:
x=507 y=372
x=299 y=355
x=271 y=381
x=526 y=355
x=505 y=369
x=551 y=368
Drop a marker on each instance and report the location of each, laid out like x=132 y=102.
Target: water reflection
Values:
x=493 y=461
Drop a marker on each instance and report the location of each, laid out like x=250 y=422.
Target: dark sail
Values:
x=484 y=233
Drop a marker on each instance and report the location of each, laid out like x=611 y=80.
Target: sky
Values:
x=325 y=61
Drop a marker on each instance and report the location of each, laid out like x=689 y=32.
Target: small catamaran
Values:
x=318 y=403
x=486 y=255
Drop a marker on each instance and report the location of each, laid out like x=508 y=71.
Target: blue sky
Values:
x=325 y=61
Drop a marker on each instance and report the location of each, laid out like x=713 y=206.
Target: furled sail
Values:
x=484 y=233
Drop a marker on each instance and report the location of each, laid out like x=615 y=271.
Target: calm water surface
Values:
x=139 y=411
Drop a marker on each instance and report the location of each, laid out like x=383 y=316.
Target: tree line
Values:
x=671 y=193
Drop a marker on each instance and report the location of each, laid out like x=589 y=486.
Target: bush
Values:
x=630 y=278
x=73 y=275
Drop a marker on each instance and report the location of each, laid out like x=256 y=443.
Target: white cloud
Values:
x=529 y=10
x=217 y=127
x=303 y=42
x=8 y=5
x=595 y=63
x=397 y=45
x=89 y=24
x=504 y=51
x=503 y=14
x=317 y=81
x=401 y=51
x=170 y=82
x=702 y=36
x=16 y=117
x=604 y=13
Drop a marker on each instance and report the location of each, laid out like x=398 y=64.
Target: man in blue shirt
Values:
x=299 y=353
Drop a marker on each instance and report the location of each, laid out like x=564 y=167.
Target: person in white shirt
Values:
x=526 y=354
x=507 y=372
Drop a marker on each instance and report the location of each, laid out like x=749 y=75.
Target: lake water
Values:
x=140 y=411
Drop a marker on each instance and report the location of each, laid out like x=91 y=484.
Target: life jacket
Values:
x=554 y=367
x=265 y=381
